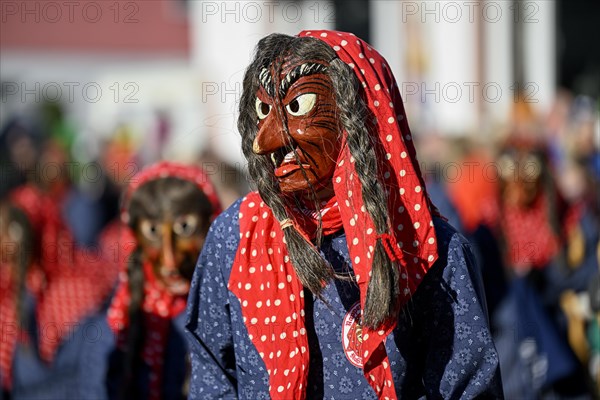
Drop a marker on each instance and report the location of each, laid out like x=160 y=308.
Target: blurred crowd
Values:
x=68 y=253
x=527 y=197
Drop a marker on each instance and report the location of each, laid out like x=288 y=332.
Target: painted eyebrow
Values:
x=305 y=69
x=266 y=81
x=298 y=72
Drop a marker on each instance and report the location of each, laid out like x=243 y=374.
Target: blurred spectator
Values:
x=20 y=144
x=17 y=275
x=54 y=306
x=168 y=208
x=541 y=241
x=436 y=155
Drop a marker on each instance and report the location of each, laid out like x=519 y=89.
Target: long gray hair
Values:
x=313 y=271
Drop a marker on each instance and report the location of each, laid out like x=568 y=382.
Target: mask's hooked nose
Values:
x=168 y=254
x=270 y=137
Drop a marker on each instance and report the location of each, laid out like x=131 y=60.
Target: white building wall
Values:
x=452 y=84
x=539 y=23
x=388 y=35
x=224 y=35
x=498 y=61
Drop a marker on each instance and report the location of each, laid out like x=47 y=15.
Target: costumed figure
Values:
x=337 y=278
x=540 y=253
x=17 y=274
x=168 y=208
x=56 y=302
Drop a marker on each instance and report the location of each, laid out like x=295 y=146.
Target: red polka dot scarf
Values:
x=8 y=322
x=11 y=331
x=74 y=282
x=159 y=308
x=527 y=250
x=263 y=278
x=166 y=169
x=159 y=305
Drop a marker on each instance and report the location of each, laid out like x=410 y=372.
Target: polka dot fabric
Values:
x=75 y=280
x=272 y=299
x=518 y=225
x=44 y=215
x=166 y=169
x=8 y=319
x=263 y=278
x=8 y=316
x=159 y=308
x=441 y=347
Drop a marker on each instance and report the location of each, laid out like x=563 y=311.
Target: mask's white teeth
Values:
x=273 y=159
x=289 y=157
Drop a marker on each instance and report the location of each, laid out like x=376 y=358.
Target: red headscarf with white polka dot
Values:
x=263 y=277
x=12 y=332
x=26 y=198
x=159 y=305
x=166 y=169
x=75 y=281
x=8 y=322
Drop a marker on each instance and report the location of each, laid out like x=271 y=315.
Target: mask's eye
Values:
x=186 y=225
x=262 y=109
x=15 y=231
x=507 y=166
x=532 y=168
x=302 y=104
x=150 y=230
